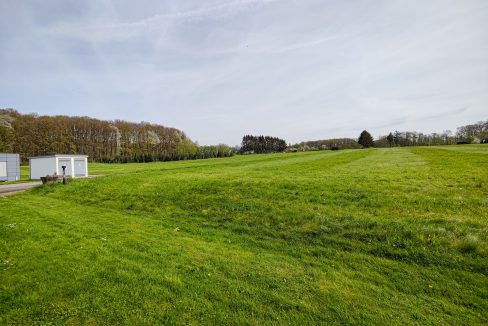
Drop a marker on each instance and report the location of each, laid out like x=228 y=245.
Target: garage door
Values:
x=3 y=169
x=80 y=168
x=66 y=162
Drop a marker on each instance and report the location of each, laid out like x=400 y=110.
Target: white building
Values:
x=76 y=165
x=9 y=167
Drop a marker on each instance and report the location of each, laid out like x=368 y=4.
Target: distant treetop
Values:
x=262 y=144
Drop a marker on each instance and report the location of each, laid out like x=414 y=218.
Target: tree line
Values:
x=103 y=141
x=472 y=133
x=325 y=144
x=262 y=144
x=476 y=132
x=121 y=141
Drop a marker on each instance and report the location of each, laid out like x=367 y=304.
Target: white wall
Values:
x=42 y=166
x=72 y=168
x=9 y=167
x=68 y=162
x=80 y=167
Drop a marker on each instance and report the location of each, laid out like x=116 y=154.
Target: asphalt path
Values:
x=17 y=187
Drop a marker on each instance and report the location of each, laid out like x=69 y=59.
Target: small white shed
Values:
x=76 y=165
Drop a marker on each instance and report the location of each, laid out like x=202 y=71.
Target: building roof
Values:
x=58 y=155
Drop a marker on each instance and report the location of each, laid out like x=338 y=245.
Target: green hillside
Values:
x=378 y=236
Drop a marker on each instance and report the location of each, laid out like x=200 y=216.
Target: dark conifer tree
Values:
x=365 y=139
x=390 y=139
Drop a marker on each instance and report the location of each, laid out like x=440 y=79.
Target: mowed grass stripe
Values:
x=195 y=165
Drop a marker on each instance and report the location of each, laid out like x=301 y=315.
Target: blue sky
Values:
x=300 y=70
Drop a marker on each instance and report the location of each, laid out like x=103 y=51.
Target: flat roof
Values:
x=58 y=155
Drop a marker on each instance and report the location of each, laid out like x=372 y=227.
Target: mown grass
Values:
x=379 y=236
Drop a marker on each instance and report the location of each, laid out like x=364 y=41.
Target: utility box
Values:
x=76 y=165
x=9 y=167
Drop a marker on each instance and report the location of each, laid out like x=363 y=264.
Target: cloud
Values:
x=122 y=30
x=216 y=12
x=448 y=114
x=218 y=69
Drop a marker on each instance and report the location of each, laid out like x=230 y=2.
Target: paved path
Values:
x=16 y=187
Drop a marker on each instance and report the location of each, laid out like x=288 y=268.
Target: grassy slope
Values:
x=368 y=236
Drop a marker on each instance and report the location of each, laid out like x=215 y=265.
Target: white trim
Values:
x=59 y=155
x=72 y=167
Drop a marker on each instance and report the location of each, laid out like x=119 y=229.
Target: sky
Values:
x=296 y=69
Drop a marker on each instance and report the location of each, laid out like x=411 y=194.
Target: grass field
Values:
x=377 y=236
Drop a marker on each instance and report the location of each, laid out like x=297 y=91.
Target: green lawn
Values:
x=377 y=236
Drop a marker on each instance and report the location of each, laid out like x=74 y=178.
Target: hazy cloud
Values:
x=298 y=69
